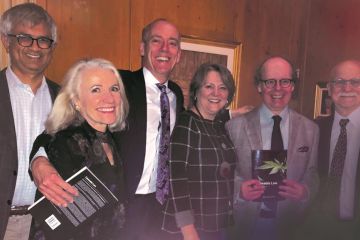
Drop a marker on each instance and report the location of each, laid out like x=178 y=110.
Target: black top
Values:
x=72 y=149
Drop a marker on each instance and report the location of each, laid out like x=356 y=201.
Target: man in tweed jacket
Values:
x=275 y=81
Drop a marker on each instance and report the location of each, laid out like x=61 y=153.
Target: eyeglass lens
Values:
x=270 y=83
x=341 y=83
x=27 y=41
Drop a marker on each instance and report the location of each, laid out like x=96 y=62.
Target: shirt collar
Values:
x=354 y=117
x=150 y=78
x=266 y=113
x=14 y=81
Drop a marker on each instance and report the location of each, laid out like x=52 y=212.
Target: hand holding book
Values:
x=293 y=190
x=252 y=189
x=93 y=199
x=50 y=183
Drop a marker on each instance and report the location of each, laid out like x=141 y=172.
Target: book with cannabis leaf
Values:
x=269 y=167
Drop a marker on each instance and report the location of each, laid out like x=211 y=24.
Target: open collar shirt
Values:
x=30 y=112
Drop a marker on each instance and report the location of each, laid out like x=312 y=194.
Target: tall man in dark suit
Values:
x=275 y=81
x=160 y=51
x=28 y=34
x=336 y=212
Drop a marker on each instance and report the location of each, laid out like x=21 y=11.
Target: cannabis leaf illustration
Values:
x=275 y=166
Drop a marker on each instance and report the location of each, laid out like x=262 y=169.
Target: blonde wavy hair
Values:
x=64 y=114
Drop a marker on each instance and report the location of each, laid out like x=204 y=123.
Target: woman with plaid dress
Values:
x=202 y=160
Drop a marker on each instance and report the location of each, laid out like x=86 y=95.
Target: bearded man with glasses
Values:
x=26 y=98
x=273 y=220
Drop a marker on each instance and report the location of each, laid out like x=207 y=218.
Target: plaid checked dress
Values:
x=199 y=191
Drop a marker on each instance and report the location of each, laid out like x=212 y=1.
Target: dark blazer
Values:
x=8 y=149
x=325 y=126
x=132 y=141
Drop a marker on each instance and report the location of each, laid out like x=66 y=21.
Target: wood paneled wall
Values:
x=314 y=34
x=90 y=29
x=5 y=4
x=207 y=19
x=270 y=28
x=334 y=35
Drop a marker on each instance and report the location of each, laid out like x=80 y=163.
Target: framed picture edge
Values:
x=319 y=90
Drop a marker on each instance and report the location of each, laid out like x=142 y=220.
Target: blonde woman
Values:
x=90 y=106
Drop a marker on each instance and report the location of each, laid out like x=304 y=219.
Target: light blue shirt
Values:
x=348 y=179
x=30 y=112
x=267 y=123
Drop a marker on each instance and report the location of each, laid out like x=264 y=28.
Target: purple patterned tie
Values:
x=162 y=181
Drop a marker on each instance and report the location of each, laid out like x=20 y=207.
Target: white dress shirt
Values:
x=147 y=182
x=348 y=179
x=30 y=112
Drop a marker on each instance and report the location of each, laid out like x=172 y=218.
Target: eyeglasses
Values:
x=284 y=83
x=340 y=83
x=27 y=41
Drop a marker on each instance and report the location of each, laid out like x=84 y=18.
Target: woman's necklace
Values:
x=201 y=116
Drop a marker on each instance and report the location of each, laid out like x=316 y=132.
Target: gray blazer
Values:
x=8 y=149
x=245 y=132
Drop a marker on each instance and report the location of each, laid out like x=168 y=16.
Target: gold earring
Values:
x=77 y=108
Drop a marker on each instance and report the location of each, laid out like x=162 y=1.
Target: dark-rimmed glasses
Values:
x=340 y=83
x=270 y=83
x=27 y=41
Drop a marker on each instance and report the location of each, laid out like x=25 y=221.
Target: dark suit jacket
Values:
x=132 y=141
x=8 y=149
x=325 y=125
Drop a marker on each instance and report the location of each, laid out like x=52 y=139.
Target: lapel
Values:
x=178 y=93
x=294 y=123
x=253 y=129
x=325 y=126
x=53 y=89
x=7 y=119
x=136 y=93
x=325 y=141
